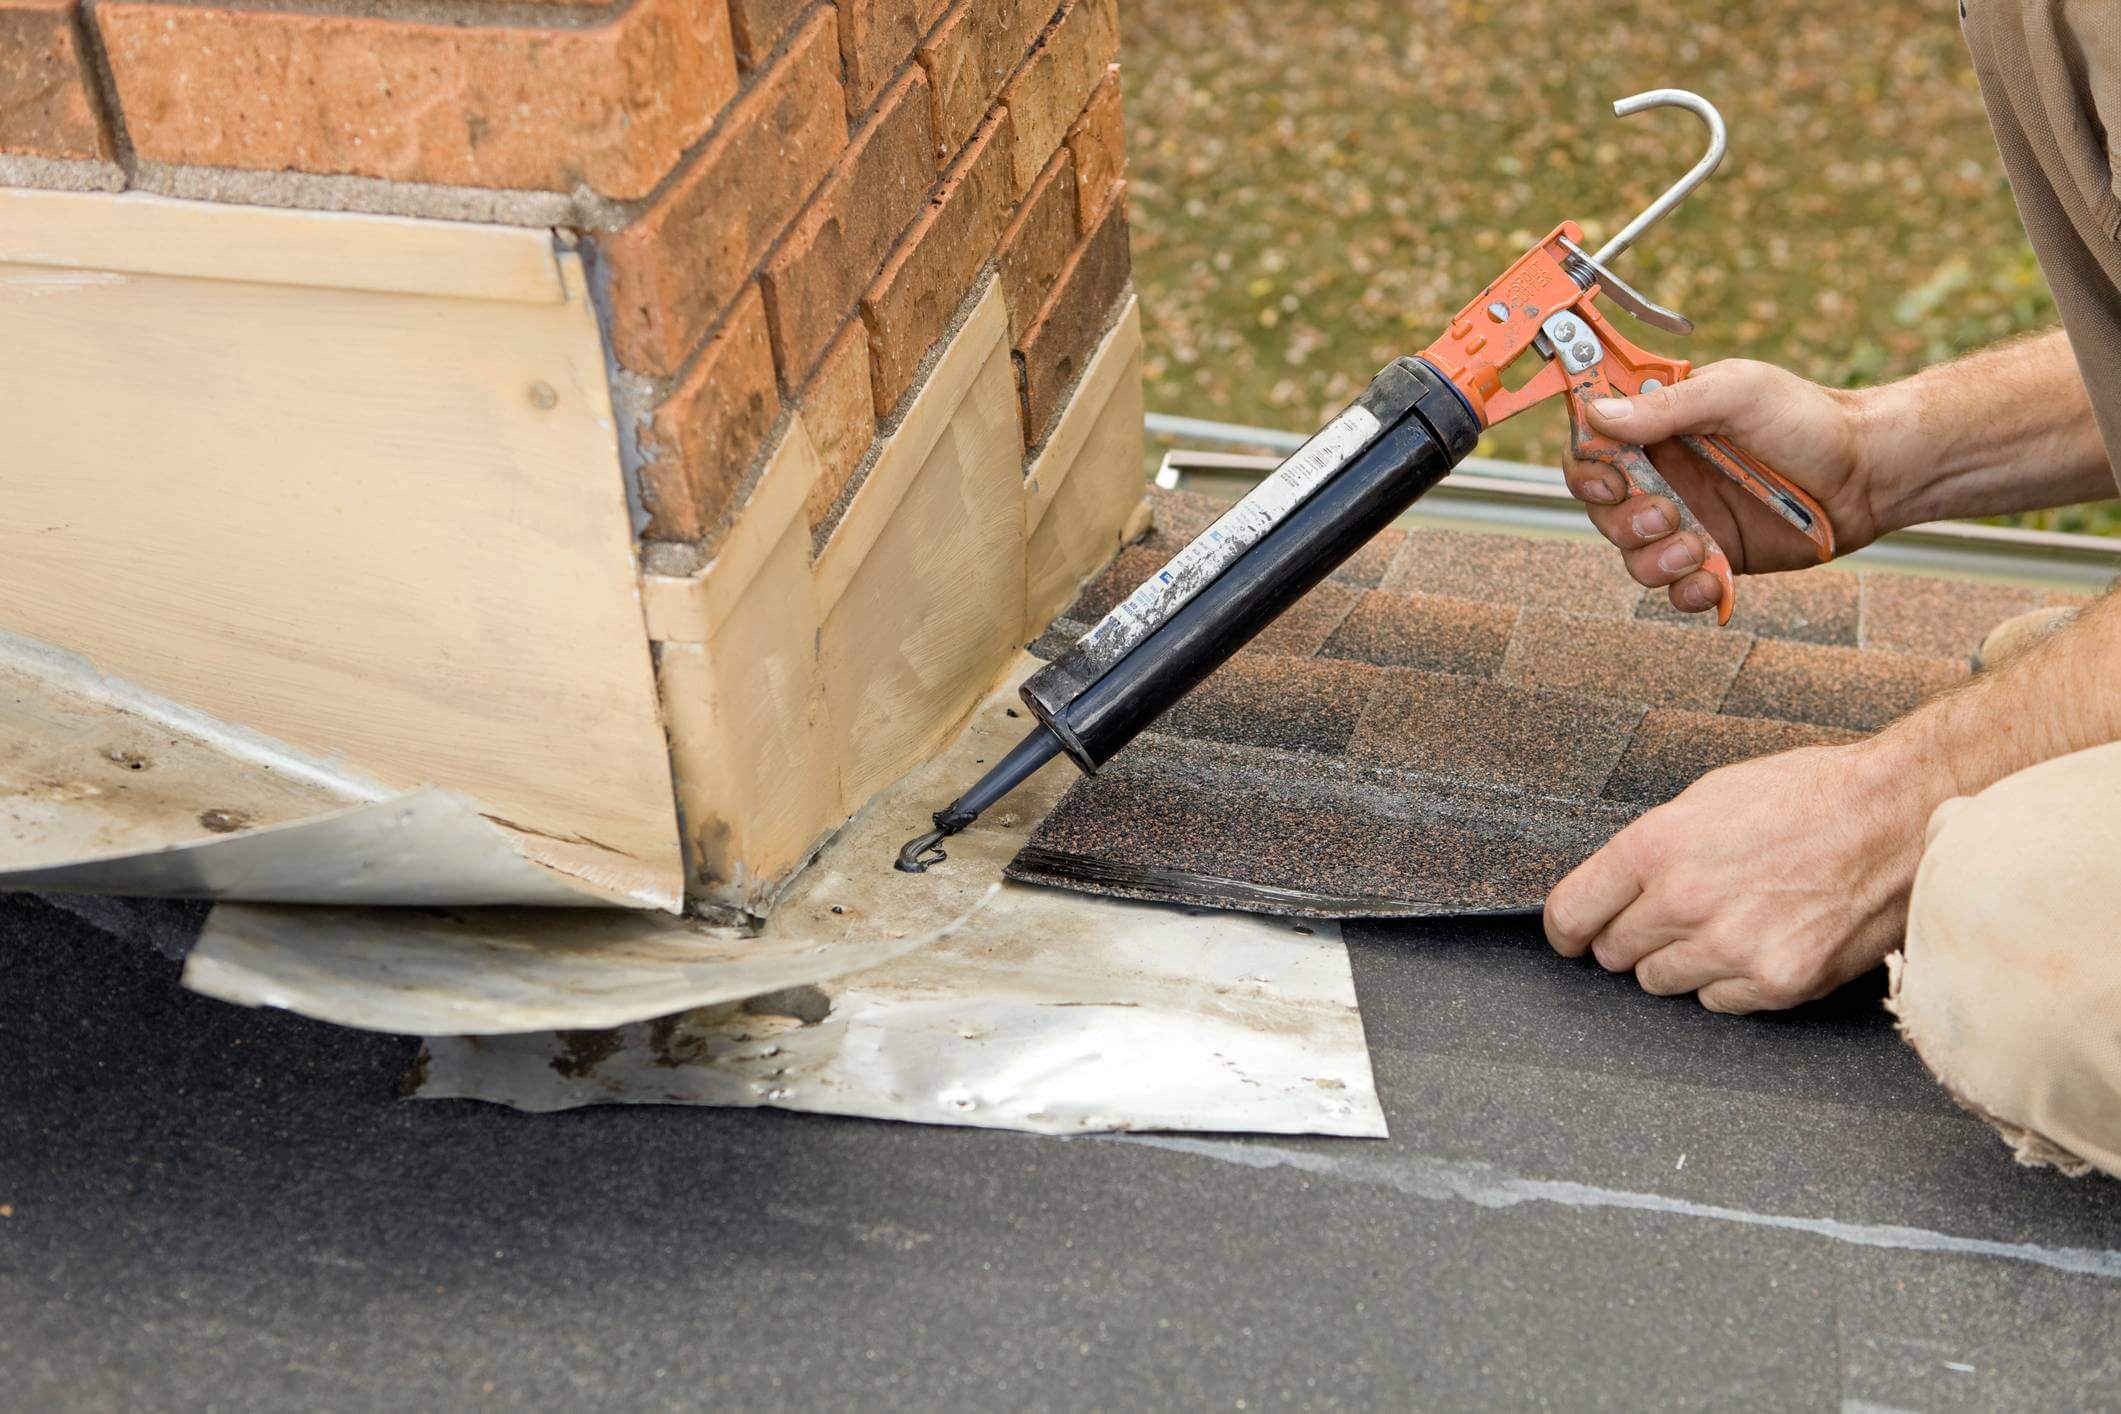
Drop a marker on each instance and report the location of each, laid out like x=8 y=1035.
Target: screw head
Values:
x=1585 y=352
x=1499 y=312
x=1565 y=331
x=542 y=395
x=1651 y=385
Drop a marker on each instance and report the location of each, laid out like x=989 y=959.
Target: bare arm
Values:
x=2007 y=429
x=2053 y=699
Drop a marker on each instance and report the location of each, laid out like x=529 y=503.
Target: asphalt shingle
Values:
x=1458 y=737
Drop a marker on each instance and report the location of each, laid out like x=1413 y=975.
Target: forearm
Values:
x=2055 y=698
x=2007 y=429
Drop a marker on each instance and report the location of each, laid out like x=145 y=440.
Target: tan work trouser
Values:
x=2010 y=984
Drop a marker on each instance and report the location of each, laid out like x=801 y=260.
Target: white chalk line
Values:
x=1448 y=1180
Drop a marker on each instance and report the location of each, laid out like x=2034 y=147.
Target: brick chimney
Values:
x=803 y=225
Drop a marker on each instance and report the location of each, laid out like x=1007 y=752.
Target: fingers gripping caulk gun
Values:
x=1418 y=418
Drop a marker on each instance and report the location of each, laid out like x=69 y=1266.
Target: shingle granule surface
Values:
x=1623 y=660
x=1673 y=748
x=1426 y=631
x=1270 y=831
x=1860 y=690
x=1264 y=699
x=1515 y=570
x=1943 y=618
x=1490 y=733
x=1457 y=723
x=1304 y=626
x=1812 y=606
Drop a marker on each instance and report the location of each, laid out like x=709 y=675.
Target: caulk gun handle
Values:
x=1644 y=479
x=1769 y=487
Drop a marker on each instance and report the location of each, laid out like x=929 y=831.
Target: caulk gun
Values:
x=1419 y=418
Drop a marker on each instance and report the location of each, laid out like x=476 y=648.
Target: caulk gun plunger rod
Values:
x=1678 y=191
x=1034 y=751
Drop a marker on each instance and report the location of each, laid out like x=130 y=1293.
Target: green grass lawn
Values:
x=1319 y=184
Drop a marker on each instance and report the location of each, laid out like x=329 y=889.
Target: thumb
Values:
x=1698 y=405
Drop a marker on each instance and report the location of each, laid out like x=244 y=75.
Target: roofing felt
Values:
x=1458 y=735
x=1591 y=1197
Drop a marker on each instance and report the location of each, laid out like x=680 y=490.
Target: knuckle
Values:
x=1688 y=900
x=1750 y=371
x=1563 y=923
x=1607 y=522
x=1785 y=979
x=1654 y=977
x=1643 y=844
x=1643 y=568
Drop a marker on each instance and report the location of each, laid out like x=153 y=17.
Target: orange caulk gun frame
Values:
x=1545 y=304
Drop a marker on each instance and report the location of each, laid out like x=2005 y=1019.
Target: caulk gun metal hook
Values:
x=1678 y=191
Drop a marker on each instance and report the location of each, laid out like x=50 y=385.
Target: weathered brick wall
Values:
x=787 y=204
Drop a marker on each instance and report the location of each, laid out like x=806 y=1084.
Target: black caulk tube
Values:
x=1328 y=500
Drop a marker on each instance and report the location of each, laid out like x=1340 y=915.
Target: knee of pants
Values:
x=2010 y=982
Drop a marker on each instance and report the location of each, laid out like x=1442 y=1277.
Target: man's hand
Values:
x=2008 y=429
x=1815 y=436
x=1763 y=885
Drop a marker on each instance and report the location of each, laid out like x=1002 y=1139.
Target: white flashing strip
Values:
x=1046 y=1011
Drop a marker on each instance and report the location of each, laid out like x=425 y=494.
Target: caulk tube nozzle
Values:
x=1002 y=777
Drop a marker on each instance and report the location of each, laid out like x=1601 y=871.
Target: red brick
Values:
x=1098 y=142
x=877 y=38
x=704 y=438
x=971 y=55
x=678 y=266
x=759 y=24
x=611 y=107
x=1053 y=354
x=840 y=416
x=1046 y=98
x=48 y=103
x=1038 y=243
x=912 y=302
x=832 y=252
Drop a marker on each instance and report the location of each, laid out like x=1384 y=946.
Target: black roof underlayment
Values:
x=1456 y=719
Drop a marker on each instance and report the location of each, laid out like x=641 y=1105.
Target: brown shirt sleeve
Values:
x=2050 y=74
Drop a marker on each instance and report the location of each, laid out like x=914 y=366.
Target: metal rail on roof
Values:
x=1486 y=493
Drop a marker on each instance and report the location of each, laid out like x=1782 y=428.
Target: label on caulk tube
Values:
x=1234 y=532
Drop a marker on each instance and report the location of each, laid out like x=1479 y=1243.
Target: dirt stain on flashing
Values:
x=416 y=1077
x=806 y=1004
x=581 y=1052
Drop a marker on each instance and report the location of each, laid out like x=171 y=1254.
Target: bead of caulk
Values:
x=922 y=851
